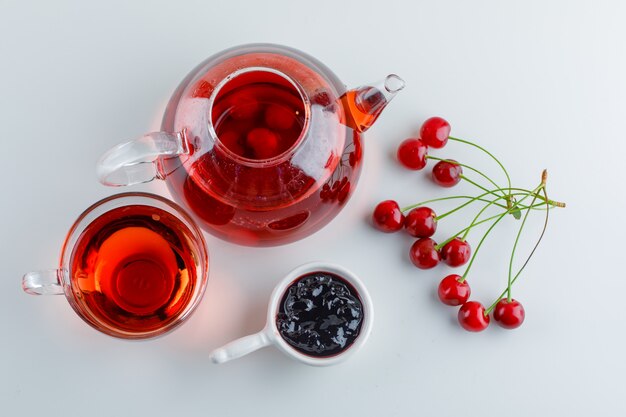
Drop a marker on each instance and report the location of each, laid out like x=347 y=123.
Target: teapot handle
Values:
x=137 y=161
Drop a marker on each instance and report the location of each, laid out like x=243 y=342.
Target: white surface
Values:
x=541 y=84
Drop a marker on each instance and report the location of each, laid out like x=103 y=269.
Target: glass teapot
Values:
x=261 y=142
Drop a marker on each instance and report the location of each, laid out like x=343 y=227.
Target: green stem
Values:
x=479 y=198
x=500 y=217
x=463 y=177
x=478 y=216
x=446 y=214
x=508 y=178
x=532 y=252
x=412 y=206
x=470 y=168
x=492 y=192
x=519 y=233
x=442 y=244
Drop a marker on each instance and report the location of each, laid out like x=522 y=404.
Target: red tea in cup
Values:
x=133 y=266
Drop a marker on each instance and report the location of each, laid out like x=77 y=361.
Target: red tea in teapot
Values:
x=259 y=115
x=262 y=183
x=132 y=269
x=262 y=143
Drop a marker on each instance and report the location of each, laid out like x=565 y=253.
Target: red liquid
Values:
x=362 y=117
x=252 y=186
x=285 y=221
x=258 y=115
x=133 y=269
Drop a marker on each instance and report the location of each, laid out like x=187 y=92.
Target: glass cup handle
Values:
x=241 y=347
x=43 y=282
x=136 y=161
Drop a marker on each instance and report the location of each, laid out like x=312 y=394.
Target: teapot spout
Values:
x=364 y=104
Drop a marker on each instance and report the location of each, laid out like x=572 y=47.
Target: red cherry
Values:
x=279 y=117
x=244 y=106
x=447 y=173
x=423 y=253
x=230 y=139
x=435 y=132
x=412 y=153
x=334 y=190
x=452 y=291
x=325 y=192
x=387 y=216
x=456 y=252
x=421 y=222
x=472 y=317
x=342 y=195
x=352 y=159
x=263 y=142
x=509 y=315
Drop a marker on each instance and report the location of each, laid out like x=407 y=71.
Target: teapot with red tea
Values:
x=262 y=143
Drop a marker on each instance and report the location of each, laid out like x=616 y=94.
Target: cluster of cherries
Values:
x=421 y=222
x=337 y=191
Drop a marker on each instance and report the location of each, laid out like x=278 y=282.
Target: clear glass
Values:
x=96 y=238
x=262 y=143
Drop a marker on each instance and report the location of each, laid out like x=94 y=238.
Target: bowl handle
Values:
x=241 y=347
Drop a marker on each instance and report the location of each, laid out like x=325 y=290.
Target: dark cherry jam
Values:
x=320 y=314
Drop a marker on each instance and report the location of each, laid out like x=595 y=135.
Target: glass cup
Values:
x=133 y=266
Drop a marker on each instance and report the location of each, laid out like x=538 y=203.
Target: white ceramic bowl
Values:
x=271 y=336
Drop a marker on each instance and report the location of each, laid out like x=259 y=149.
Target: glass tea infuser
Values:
x=262 y=143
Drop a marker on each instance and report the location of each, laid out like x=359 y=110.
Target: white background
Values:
x=541 y=84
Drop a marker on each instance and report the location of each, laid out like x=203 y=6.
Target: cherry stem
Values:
x=478 y=215
x=466 y=204
x=412 y=206
x=519 y=233
x=467 y=229
x=551 y=202
x=532 y=252
x=442 y=244
x=470 y=168
x=500 y=217
x=480 y=197
x=508 y=178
